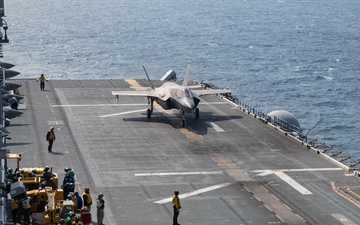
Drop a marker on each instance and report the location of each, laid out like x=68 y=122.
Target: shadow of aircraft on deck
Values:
x=198 y=125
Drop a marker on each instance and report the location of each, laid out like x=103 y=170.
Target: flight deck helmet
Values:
x=71 y=173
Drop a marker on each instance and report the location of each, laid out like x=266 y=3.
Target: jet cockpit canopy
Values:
x=184 y=92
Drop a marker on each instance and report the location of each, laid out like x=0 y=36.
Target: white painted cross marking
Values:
x=123 y=113
x=293 y=183
x=185 y=195
x=289 y=180
x=176 y=173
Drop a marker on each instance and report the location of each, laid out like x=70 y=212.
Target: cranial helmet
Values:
x=70 y=196
x=71 y=173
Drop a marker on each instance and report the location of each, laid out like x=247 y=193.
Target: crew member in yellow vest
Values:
x=87 y=198
x=42 y=80
x=16 y=91
x=176 y=206
x=50 y=137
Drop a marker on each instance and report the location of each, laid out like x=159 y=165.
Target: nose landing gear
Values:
x=183 y=119
x=150 y=111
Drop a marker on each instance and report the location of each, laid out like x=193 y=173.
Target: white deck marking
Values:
x=289 y=180
x=189 y=194
x=297 y=170
x=293 y=183
x=343 y=219
x=264 y=173
x=310 y=169
x=176 y=173
x=213 y=125
x=123 y=113
x=212 y=103
x=100 y=105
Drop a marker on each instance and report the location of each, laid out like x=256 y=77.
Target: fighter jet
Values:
x=171 y=95
x=6 y=95
x=11 y=113
x=8 y=74
x=9 y=86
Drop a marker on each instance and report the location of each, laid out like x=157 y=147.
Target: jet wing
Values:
x=141 y=88
x=144 y=93
x=210 y=91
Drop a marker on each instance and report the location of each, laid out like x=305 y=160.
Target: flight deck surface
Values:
x=229 y=167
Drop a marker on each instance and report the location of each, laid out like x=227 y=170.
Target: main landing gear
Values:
x=197 y=113
x=150 y=111
x=183 y=121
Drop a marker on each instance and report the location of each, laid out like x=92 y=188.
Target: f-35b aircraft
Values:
x=170 y=95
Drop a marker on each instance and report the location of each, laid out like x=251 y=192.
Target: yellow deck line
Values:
x=133 y=82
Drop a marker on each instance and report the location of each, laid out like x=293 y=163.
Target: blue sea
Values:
x=302 y=56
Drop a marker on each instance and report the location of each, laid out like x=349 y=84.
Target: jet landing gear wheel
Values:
x=149 y=111
x=183 y=121
x=197 y=113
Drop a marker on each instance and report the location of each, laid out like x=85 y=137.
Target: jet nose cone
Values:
x=189 y=104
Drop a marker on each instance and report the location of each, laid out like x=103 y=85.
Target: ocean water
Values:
x=297 y=55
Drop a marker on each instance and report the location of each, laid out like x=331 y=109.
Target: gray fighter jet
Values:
x=8 y=73
x=170 y=95
x=9 y=86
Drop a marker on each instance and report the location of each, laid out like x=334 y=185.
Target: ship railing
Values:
x=320 y=147
x=283 y=124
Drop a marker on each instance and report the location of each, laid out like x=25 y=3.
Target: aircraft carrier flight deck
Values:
x=229 y=167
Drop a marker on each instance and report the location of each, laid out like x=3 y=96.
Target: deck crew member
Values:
x=79 y=202
x=50 y=137
x=26 y=205
x=100 y=204
x=85 y=216
x=14 y=208
x=70 y=218
x=87 y=201
x=42 y=80
x=176 y=206
x=48 y=175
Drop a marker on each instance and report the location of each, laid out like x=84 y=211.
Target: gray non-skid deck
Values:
x=229 y=167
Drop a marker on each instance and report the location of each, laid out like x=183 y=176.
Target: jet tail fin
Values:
x=147 y=75
x=186 y=78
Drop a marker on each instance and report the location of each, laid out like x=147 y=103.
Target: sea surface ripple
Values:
x=300 y=56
